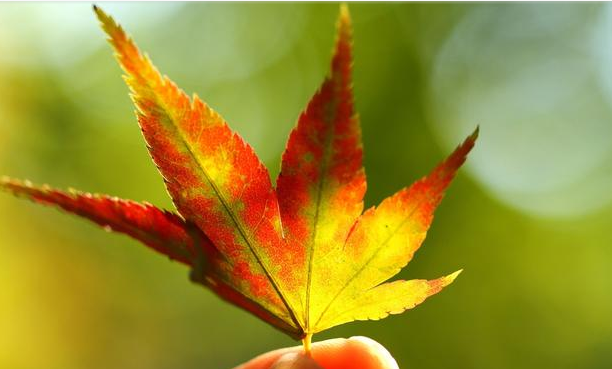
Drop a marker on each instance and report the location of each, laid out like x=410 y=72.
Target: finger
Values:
x=339 y=353
x=295 y=360
x=353 y=353
x=265 y=361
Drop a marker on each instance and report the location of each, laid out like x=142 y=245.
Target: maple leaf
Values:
x=303 y=257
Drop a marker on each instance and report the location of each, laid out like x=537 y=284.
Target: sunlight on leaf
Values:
x=304 y=257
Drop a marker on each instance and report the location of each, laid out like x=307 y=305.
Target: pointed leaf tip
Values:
x=451 y=277
x=108 y=23
x=344 y=22
x=345 y=15
x=475 y=134
x=102 y=16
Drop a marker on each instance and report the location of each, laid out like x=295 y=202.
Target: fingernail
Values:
x=387 y=361
x=295 y=361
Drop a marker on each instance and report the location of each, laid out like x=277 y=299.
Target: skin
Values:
x=338 y=353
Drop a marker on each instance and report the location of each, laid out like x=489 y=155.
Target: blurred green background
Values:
x=528 y=218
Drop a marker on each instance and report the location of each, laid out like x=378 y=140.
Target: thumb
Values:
x=295 y=360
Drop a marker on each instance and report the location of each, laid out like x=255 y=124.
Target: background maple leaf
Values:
x=535 y=246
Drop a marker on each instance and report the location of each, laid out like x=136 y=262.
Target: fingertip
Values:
x=267 y=360
x=338 y=353
x=295 y=360
x=353 y=353
x=377 y=350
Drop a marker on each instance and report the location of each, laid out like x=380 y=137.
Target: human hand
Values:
x=338 y=353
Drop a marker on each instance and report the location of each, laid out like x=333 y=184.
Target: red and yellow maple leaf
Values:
x=303 y=257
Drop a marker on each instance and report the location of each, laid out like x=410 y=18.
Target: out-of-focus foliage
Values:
x=528 y=219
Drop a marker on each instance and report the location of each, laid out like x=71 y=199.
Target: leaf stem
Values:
x=307 y=341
